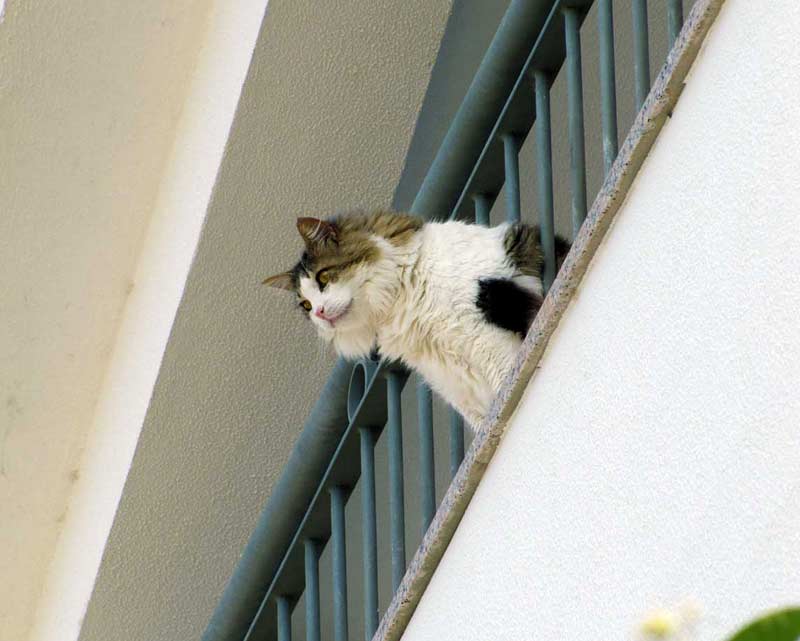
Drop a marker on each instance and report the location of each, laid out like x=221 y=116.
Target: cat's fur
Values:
x=451 y=300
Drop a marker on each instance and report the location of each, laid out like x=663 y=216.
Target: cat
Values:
x=451 y=300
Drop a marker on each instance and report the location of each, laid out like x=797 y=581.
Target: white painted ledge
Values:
x=163 y=266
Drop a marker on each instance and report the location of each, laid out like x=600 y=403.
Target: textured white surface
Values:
x=163 y=265
x=654 y=457
x=90 y=94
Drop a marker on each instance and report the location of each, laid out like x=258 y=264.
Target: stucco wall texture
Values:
x=653 y=459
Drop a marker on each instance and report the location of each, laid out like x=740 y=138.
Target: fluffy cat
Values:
x=451 y=300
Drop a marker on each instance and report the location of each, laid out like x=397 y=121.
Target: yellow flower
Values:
x=661 y=624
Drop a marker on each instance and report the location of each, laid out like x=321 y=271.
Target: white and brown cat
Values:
x=451 y=300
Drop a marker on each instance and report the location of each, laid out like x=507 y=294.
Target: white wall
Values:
x=654 y=458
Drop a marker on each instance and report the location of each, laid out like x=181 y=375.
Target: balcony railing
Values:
x=478 y=162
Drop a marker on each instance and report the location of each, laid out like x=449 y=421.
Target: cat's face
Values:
x=331 y=279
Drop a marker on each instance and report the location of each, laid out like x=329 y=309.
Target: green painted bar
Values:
x=608 y=83
x=641 y=51
x=339 y=563
x=544 y=171
x=284 y=619
x=511 y=154
x=427 y=484
x=312 y=551
x=577 y=151
x=482 y=209
x=456 y=441
x=674 y=19
x=396 y=493
x=369 y=532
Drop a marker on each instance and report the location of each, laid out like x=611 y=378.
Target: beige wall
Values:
x=170 y=241
x=90 y=93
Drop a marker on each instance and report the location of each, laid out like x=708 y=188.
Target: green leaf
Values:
x=783 y=625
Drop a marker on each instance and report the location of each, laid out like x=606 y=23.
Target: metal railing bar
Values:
x=396 y=490
x=674 y=19
x=284 y=618
x=312 y=551
x=427 y=480
x=369 y=531
x=339 y=562
x=456 y=441
x=511 y=164
x=544 y=173
x=577 y=151
x=641 y=51
x=482 y=209
x=608 y=89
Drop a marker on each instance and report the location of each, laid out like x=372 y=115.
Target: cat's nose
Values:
x=320 y=313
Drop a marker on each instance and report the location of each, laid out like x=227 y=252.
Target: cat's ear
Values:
x=317 y=232
x=281 y=281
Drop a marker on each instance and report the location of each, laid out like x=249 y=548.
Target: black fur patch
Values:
x=507 y=305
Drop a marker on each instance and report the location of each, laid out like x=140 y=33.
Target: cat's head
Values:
x=332 y=280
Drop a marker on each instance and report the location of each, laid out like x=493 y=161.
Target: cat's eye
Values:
x=306 y=305
x=323 y=278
